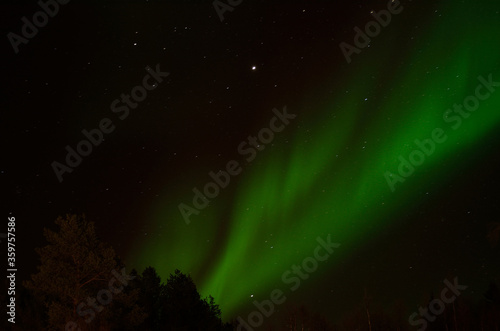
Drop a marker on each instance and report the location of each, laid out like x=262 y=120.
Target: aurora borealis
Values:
x=323 y=175
x=326 y=177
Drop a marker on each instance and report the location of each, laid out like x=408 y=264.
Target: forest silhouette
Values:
x=81 y=284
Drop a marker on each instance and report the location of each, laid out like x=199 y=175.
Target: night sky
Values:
x=323 y=173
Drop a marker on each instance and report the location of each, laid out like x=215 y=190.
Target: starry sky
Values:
x=326 y=173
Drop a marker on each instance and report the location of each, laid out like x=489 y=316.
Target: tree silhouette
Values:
x=152 y=292
x=75 y=266
x=184 y=308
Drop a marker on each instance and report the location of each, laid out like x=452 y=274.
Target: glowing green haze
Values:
x=329 y=177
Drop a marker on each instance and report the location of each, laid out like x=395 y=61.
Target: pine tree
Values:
x=151 y=293
x=184 y=308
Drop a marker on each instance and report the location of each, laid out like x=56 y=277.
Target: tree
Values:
x=184 y=308
x=152 y=292
x=76 y=267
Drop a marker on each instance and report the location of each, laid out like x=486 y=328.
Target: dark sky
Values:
x=354 y=119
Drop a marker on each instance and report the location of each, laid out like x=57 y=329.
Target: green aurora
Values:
x=324 y=174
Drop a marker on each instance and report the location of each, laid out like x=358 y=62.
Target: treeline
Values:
x=81 y=284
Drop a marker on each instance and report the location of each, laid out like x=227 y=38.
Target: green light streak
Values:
x=305 y=190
